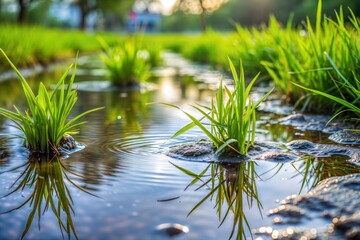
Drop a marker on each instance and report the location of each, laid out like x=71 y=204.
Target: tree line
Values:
x=186 y=14
x=117 y=8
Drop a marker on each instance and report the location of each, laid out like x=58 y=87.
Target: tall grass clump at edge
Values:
x=258 y=44
x=124 y=64
x=231 y=115
x=46 y=120
x=203 y=50
x=302 y=60
x=351 y=90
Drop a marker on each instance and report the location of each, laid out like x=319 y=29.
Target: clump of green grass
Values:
x=258 y=44
x=124 y=64
x=153 y=53
x=46 y=121
x=231 y=115
x=350 y=92
x=202 y=49
x=301 y=60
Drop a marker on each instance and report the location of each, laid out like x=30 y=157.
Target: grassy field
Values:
x=27 y=46
x=287 y=55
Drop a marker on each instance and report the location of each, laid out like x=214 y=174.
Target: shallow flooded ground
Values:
x=137 y=186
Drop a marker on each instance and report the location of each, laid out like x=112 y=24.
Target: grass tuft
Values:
x=125 y=66
x=349 y=90
x=46 y=120
x=232 y=115
x=301 y=59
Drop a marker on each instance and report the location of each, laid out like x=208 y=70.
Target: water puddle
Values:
x=148 y=185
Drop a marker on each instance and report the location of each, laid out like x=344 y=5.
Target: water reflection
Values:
x=128 y=107
x=124 y=163
x=12 y=93
x=231 y=186
x=315 y=169
x=46 y=179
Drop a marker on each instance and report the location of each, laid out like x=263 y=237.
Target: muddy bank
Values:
x=204 y=151
x=330 y=211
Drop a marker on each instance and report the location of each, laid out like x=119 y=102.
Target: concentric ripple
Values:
x=144 y=145
x=140 y=160
x=137 y=145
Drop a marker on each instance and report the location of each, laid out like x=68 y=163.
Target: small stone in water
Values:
x=68 y=142
x=278 y=156
x=346 y=137
x=172 y=229
x=193 y=149
x=3 y=153
x=300 y=144
x=293 y=119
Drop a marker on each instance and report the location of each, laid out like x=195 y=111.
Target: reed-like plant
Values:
x=231 y=115
x=124 y=64
x=301 y=60
x=45 y=122
x=258 y=44
x=349 y=92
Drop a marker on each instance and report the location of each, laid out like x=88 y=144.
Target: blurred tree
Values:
x=86 y=7
x=23 y=8
x=199 y=7
x=180 y=22
x=117 y=10
x=256 y=12
x=308 y=8
x=106 y=7
x=24 y=11
x=38 y=12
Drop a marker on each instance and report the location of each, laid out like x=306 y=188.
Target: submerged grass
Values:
x=232 y=115
x=125 y=66
x=46 y=120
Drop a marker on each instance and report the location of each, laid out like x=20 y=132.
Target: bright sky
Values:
x=167 y=5
x=163 y=6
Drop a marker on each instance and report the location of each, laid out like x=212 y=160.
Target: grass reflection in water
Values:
x=47 y=178
x=129 y=107
x=231 y=186
x=315 y=169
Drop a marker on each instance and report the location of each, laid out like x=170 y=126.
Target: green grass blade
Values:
x=336 y=99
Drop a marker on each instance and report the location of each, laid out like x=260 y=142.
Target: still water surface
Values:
x=124 y=164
